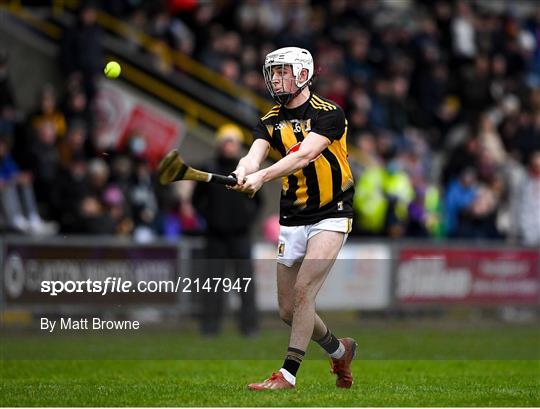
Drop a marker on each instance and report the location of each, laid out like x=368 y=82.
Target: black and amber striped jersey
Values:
x=324 y=188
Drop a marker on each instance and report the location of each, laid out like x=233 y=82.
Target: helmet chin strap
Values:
x=289 y=96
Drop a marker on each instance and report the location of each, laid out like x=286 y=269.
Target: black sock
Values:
x=329 y=342
x=293 y=360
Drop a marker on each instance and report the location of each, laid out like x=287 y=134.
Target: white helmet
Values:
x=298 y=59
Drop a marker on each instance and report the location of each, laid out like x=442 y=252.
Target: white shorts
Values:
x=293 y=239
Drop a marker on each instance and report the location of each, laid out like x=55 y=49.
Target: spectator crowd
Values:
x=442 y=99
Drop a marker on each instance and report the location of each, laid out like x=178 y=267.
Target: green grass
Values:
x=222 y=383
x=394 y=341
x=485 y=379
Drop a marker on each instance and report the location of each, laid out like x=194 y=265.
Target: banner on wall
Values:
x=359 y=279
x=40 y=274
x=125 y=120
x=460 y=275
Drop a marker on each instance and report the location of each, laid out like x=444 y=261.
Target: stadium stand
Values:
x=442 y=98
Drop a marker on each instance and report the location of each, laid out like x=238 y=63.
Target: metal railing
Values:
x=180 y=60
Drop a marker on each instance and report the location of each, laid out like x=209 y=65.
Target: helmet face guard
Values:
x=294 y=57
x=282 y=98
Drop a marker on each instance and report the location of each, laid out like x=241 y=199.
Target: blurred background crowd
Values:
x=442 y=99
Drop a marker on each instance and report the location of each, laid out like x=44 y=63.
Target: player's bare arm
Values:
x=313 y=146
x=252 y=161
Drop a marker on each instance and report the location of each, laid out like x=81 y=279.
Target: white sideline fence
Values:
x=372 y=275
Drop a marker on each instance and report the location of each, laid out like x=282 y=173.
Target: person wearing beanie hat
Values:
x=229 y=218
x=229 y=132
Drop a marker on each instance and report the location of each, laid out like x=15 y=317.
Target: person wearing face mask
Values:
x=229 y=218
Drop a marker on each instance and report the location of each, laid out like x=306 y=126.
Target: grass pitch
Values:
x=421 y=376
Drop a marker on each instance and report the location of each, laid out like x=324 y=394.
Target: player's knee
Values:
x=286 y=315
x=301 y=294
